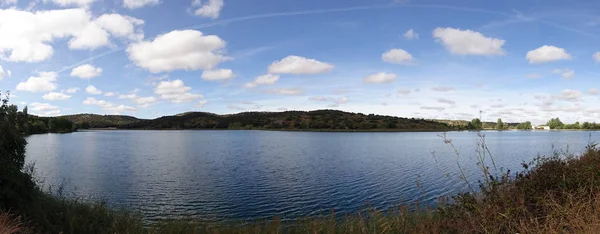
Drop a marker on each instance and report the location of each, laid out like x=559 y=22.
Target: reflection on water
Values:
x=253 y=174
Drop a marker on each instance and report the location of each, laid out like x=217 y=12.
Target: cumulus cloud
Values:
x=33 y=42
x=54 y=96
x=446 y=101
x=65 y=3
x=593 y=91
x=109 y=94
x=533 y=76
x=268 y=79
x=410 y=35
x=44 y=109
x=107 y=106
x=201 y=103
x=380 y=78
x=145 y=101
x=318 y=98
x=128 y=96
x=93 y=90
x=596 y=56
x=547 y=54
x=121 y=26
x=433 y=108
x=44 y=82
x=4 y=73
x=397 y=56
x=338 y=102
x=299 y=66
x=72 y=90
x=467 y=42
x=210 y=9
x=175 y=91
x=404 y=91
x=134 y=4
x=565 y=73
x=178 y=50
x=570 y=95
x=290 y=91
x=442 y=88
x=218 y=75
x=86 y=71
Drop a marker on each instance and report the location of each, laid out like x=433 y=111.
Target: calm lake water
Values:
x=217 y=175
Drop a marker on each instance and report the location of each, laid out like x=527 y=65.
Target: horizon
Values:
x=151 y=58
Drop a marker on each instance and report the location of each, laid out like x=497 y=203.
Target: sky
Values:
x=516 y=60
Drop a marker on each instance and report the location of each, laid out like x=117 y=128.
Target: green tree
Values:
x=524 y=126
x=475 y=124
x=500 y=124
x=16 y=187
x=555 y=123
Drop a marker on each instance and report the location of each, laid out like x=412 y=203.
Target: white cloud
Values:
x=299 y=66
x=54 y=96
x=86 y=71
x=8 y=2
x=178 y=50
x=79 y=3
x=211 y=9
x=4 y=73
x=410 y=35
x=446 y=101
x=442 y=88
x=533 y=76
x=397 y=56
x=107 y=106
x=318 y=98
x=433 y=108
x=30 y=40
x=36 y=106
x=404 y=91
x=72 y=90
x=201 y=103
x=134 y=4
x=145 y=101
x=128 y=96
x=380 y=78
x=565 y=73
x=467 y=42
x=570 y=95
x=547 y=54
x=175 y=91
x=267 y=79
x=338 y=102
x=217 y=75
x=109 y=94
x=93 y=90
x=292 y=91
x=596 y=56
x=45 y=82
x=593 y=91
x=122 y=26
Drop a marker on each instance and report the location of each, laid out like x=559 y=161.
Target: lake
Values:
x=230 y=175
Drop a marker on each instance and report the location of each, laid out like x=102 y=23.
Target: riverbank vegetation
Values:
x=555 y=194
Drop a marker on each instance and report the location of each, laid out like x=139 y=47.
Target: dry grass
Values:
x=11 y=224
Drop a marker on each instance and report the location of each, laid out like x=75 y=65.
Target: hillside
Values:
x=289 y=120
x=100 y=121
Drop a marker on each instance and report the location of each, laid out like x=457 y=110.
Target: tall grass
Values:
x=555 y=194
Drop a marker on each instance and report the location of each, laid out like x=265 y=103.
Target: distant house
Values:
x=542 y=127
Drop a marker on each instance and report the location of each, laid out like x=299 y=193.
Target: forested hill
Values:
x=331 y=120
x=100 y=121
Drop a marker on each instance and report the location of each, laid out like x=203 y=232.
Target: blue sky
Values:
x=518 y=60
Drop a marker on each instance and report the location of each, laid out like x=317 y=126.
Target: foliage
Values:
x=60 y=125
x=525 y=126
x=475 y=124
x=329 y=120
x=500 y=125
x=16 y=187
x=85 y=121
x=555 y=123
